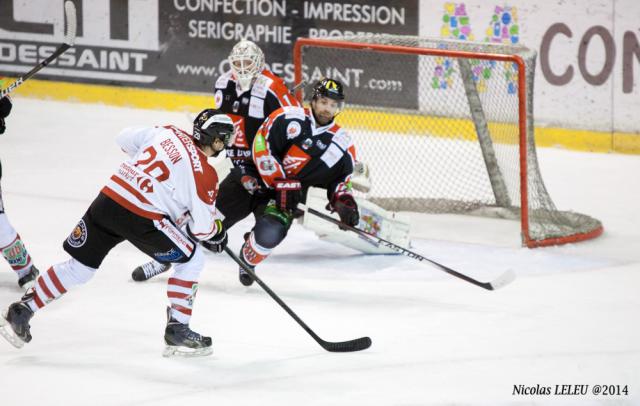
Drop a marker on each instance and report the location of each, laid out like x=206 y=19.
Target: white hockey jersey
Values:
x=167 y=175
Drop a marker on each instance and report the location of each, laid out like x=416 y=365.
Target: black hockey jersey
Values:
x=290 y=144
x=249 y=109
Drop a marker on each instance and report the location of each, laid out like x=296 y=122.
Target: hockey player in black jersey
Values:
x=297 y=148
x=248 y=93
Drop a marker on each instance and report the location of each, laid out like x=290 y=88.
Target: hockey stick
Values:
x=358 y=344
x=497 y=283
x=69 y=38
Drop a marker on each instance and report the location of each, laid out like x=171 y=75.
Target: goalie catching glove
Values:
x=347 y=208
x=218 y=241
x=288 y=193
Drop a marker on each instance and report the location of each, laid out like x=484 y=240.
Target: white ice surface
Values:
x=571 y=317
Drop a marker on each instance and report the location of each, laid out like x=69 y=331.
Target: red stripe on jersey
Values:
x=38 y=301
x=56 y=282
x=44 y=287
x=178 y=295
x=130 y=206
x=130 y=189
x=180 y=282
x=181 y=309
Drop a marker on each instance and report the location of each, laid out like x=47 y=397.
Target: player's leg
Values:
x=88 y=244
x=166 y=243
x=13 y=249
x=270 y=229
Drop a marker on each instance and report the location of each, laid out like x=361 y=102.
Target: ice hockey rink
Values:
x=572 y=316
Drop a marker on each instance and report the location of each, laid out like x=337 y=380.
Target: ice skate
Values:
x=181 y=341
x=14 y=323
x=29 y=279
x=149 y=270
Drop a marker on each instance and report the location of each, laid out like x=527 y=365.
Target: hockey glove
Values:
x=217 y=242
x=5 y=109
x=288 y=194
x=347 y=209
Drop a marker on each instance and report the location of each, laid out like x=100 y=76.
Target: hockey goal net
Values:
x=445 y=127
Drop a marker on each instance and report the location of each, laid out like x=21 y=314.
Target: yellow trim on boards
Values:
x=114 y=95
x=578 y=140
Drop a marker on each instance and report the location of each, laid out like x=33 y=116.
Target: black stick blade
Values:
x=358 y=344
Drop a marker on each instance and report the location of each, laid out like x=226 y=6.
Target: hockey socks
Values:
x=57 y=280
x=181 y=294
x=16 y=255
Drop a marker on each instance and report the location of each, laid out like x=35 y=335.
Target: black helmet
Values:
x=328 y=88
x=211 y=124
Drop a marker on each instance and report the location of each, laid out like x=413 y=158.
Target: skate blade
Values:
x=185 y=352
x=28 y=285
x=7 y=332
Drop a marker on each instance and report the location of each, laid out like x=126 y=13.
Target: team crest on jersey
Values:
x=144 y=184
x=266 y=165
x=78 y=236
x=236 y=106
x=293 y=130
x=218 y=98
x=321 y=145
x=307 y=143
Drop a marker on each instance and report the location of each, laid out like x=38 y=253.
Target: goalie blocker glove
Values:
x=288 y=193
x=347 y=208
x=217 y=242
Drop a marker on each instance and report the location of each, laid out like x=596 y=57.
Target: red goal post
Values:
x=407 y=57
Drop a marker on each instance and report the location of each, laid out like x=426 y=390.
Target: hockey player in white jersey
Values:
x=248 y=93
x=165 y=187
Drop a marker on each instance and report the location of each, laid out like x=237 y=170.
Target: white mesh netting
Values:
x=441 y=133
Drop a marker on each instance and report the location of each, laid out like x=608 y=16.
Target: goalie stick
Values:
x=497 y=283
x=69 y=38
x=357 y=344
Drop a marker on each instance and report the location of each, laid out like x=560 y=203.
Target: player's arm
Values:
x=279 y=96
x=340 y=191
x=269 y=145
x=205 y=223
x=131 y=139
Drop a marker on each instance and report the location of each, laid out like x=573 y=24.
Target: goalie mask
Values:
x=327 y=100
x=247 y=61
x=210 y=125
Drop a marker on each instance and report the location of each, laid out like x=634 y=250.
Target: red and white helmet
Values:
x=247 y=61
